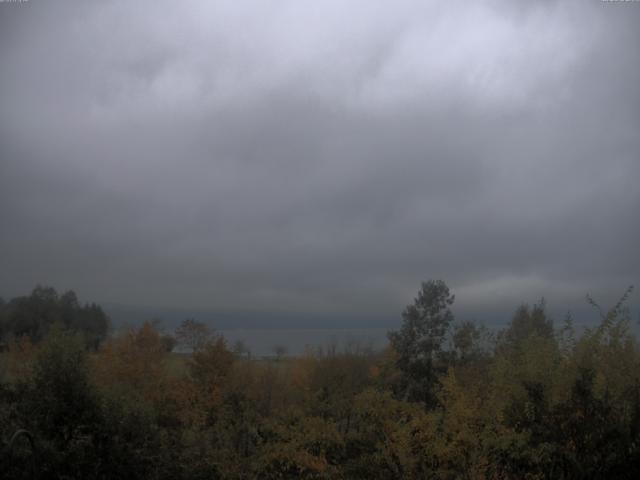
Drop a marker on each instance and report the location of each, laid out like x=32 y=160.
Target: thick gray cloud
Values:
x=320 y=157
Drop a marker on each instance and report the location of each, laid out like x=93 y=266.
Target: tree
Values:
x=209 y=372
x=466 y=341
x=527 y=322
x=169 y=342
x=132 y=365
x=34 y=316
x=63 y=396
x=193 y=335
x=210 y=365
x=280 y=351
x=60 y=407
x=419 y=341
x=240 y=349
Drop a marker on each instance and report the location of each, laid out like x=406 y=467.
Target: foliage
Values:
x=192 y=335
x=59 y=405
x=34 y=316
x=443 y=401
x=419 y=342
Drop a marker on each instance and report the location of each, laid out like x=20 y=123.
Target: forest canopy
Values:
x=34 y=315
x=445 y=399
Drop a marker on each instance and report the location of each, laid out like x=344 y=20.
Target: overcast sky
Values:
x=320 y=156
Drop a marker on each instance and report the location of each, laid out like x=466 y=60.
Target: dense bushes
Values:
x=529 y=402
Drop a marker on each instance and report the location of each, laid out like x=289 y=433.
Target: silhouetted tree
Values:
x=466 y=340
x=61 y=407
x=34 y=316
x=419 y=341
x=280 y=351
x=240 y=349
x=528 y=321
x=193 y=335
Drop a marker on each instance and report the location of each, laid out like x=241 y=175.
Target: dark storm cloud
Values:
x=319 y=156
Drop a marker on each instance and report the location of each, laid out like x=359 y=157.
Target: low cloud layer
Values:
x=319 y=157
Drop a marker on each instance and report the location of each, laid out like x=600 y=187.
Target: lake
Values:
x=262 y=342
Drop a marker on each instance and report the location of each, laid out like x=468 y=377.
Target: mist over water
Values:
x=261 y=333
x=299 y=341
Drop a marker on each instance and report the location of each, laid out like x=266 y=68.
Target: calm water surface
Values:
x=296 y=341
